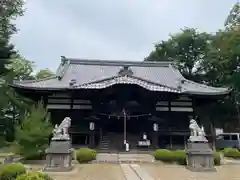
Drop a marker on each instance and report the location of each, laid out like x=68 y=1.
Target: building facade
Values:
x=146 y=104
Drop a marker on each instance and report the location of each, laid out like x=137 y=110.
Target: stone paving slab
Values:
x=175 y=172
x=155 y=171
x=141 y=172
x=129 y=173
x=93 y=172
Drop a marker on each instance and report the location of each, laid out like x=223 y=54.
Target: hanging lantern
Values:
x=144 y=136
x=155 y=127
x=91 y=126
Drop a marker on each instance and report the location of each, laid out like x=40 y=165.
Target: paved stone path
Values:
x=141 y=172
x=129 y=173
x=135 y=172
x=145 y=171
x=175 y=172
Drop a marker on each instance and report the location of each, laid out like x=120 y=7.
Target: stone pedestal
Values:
x=199 y=157
x=59 y=156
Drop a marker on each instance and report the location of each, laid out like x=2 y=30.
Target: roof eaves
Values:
x=34 y=81
x=18 y=86
x=212 y=90
x=208 y=93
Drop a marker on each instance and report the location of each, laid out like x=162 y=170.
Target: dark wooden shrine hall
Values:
x=146 y=104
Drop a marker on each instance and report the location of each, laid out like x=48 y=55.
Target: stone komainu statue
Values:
x=197 y=133
x=61 y=131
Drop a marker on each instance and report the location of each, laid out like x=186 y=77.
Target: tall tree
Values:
x=223 y=58
x=9 y=11
x=233 y=19
x=187 y=48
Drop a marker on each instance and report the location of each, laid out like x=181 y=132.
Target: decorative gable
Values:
x=125 y=71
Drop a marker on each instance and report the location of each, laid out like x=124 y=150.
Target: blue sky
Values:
x=108 y=29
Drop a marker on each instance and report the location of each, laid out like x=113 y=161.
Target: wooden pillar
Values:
x=213 y=134
x=170 y=139
x=154 y=140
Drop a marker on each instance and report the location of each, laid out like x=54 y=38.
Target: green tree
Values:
x=187 y=48
x=233 y=19
x=212 y=59
x=223 y=58
x=20 y=68
x=44 y=73
x=9 y=11
x=32 y=135
x=14 y=105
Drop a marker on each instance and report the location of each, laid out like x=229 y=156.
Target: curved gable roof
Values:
x=97 y=74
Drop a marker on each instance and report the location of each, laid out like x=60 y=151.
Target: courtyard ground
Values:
x=155 y=171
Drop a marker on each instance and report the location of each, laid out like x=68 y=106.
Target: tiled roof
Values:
x=97 y=74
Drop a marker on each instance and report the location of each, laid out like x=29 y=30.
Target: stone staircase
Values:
x=135 y=158
x=104 y=144
x=124 y=158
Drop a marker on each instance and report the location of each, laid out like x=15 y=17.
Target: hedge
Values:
x=231 y=153
x=84 y=155
x=178 y=156
x=168 y=156
x=34 y=176
x=11 y=171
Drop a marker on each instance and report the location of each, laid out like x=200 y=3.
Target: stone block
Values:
x=199 y=157
x=59 y=156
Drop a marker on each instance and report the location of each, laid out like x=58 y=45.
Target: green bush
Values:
x=163 y=155
x=231 y=152
x=84 y=155
x=34 y=176
x=11 y=171
x=178 y=156
x=35 y=156
x=217 y=158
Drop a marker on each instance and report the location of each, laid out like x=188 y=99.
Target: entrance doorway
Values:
x=113 y=125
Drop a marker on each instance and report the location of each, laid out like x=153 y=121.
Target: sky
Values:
x=108 y=29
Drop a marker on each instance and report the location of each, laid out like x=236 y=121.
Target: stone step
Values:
x=117 y=158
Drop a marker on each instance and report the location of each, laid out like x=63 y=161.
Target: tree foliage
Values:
x=32 y=135
x=21 y=68
x=9 y=11
x=212 y=59
x=233 y=20
x=187 y=48
x=44 y=73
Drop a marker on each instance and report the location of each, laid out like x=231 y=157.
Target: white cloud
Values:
x=107 y=29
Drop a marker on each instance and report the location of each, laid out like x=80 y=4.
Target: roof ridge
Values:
x=35 y=80
x=119 y=62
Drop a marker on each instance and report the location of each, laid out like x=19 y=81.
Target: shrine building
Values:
x=146 y=104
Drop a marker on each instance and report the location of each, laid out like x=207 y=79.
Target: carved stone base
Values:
x=199 y=157
x=59 y=156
